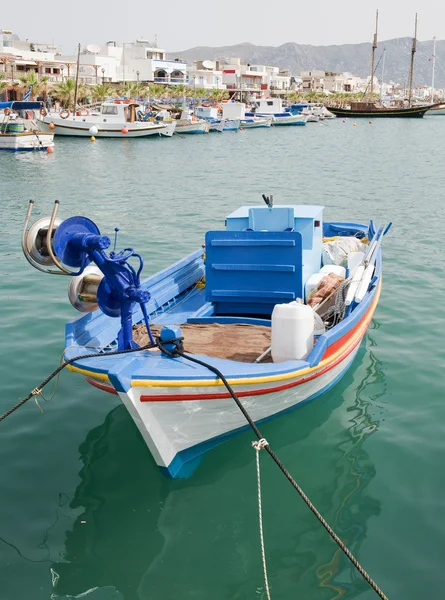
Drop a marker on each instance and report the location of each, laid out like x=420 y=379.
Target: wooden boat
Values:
x=370 y=110
x=18 y=135
x=222 y=301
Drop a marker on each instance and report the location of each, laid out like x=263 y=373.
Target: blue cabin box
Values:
x=263 y=258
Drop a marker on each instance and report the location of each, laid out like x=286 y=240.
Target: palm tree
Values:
x=3 y=84
x=100 y=92
x=65 y=91
x=200 y=93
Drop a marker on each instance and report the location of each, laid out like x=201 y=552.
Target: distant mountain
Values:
x=353 y=58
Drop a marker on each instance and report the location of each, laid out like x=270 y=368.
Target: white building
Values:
x=205 y=74
x=133 y=61
x=255 y=79
x=17 y=57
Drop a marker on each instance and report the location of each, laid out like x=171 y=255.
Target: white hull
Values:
x=291 y=120
x=26 y=141
x=197 y=127
x=172 y=427
x=80 y=127
x=218 y=126
x=256 y=122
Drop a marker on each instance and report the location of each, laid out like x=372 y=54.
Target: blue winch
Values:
x=114 y=286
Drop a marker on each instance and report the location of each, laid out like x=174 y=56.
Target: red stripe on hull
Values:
x=271 y=390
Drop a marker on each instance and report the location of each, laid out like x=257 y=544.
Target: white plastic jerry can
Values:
x=292 y=331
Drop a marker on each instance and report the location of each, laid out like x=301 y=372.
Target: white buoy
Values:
x=92 y=130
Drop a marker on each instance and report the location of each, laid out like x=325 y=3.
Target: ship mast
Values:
x=374 y=48
x=434 y=67
x=413 y=51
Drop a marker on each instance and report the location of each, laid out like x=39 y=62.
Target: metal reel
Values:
x=82 y=291
x=35 y=241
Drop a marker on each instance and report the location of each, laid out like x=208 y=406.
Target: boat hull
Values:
x=193 y=128
x=256 y=122
x=80 y=127
x=178 y=432
x=289 y=120
x=386 y=113
x=26 y=141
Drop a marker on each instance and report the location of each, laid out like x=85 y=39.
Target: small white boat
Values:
x=251 y=122
x=273 y=107
x=18 y=134
x=115 y=119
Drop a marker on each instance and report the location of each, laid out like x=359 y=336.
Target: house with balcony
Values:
x=313 y=81
x=17 y=57
x=205 y=74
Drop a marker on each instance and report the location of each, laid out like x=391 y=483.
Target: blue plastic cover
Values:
x=20 y=105
x=248 y=272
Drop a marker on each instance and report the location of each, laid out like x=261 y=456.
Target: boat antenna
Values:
x=268 y=200
x=413 y=51
x=77 y=78
x=374 y=48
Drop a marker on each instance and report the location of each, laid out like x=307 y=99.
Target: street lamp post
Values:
x=62 y=68
x=137 y=75
x=217 y=83
x=103 y=76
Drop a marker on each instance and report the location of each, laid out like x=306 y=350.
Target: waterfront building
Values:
x=17 y=57
x=205 y=74
x=259 y=80
x=138 y=61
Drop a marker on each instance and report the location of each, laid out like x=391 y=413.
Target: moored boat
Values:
x=369 y=110
x=19 y=135
x=115 y=119
x=252 y=122
x=243 y=312
x=273 y=108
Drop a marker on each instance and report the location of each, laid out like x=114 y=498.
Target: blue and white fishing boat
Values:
x=273 y=107
x=17 y=134
x=232 y=306
x=211 y=114
x=252 y=122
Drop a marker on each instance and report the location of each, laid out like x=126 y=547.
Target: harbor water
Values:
x=85 y=512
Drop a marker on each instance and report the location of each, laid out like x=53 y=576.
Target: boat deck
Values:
x=239 y=342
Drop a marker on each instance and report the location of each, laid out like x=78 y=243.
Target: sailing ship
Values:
x=370 y=109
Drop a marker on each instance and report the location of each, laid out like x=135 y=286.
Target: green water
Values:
x=84 y=511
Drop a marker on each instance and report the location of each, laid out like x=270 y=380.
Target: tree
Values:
x=3 y=84
x=101 y=92
x=39 y=85
x=64 y=91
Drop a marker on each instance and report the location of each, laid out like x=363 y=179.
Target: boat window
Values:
x=109 y=110
x=270 y=103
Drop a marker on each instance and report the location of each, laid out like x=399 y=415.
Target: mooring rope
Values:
x=278 y=462
x=38 y=390
x=261 y=444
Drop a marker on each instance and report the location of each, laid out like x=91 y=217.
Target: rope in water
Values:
x=38 y=390
x=261 y=444
x=283 y=469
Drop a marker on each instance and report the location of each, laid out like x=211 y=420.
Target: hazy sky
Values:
x=181 y=25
